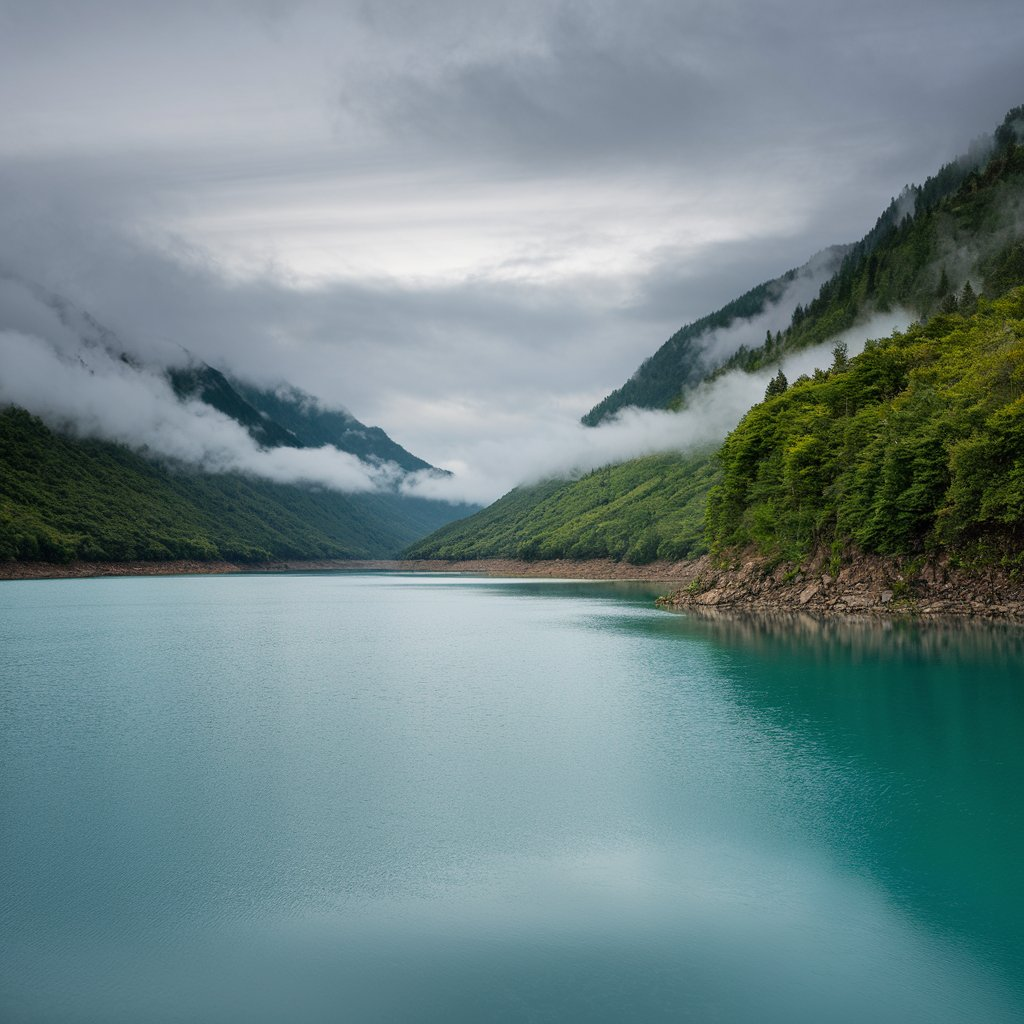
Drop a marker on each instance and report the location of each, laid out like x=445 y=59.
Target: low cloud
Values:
x=777 y=315
x=91 y=393
x=561 y=447
x=65 y=365
x=58 y=364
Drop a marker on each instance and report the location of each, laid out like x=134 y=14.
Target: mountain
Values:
x=932 y=252
x=290 y=417
x=914 y=446
x=313 y=426
x=637 y=511
x=66 y=495
x=899 y=262
x=213 y=388
x=699 y=348
x=63 y=498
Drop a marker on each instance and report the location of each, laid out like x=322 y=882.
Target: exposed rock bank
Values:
x=869 y=585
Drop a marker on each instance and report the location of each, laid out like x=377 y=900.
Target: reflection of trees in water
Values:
x=935 y=639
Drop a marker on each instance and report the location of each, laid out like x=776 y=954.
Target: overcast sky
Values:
x=464 y=221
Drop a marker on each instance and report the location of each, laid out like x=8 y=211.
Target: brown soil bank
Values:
x=869 y=585
x=678 y=573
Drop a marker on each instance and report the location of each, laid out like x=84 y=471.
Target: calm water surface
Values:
x=396 y=798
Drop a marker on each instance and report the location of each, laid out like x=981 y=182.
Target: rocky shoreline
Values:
x=869 y=585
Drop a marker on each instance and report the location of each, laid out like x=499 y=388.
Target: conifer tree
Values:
x=777 y=385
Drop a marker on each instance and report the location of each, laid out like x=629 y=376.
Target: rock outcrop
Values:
x=865 y=585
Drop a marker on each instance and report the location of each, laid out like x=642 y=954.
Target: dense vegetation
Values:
x=920 y=262
x=638 y=511
x=916 y=445
x=313 y=427
x=62 y=498
x=212 y=387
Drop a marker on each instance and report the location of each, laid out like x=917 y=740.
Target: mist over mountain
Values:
x=312 y=426
x=133 y=459
x=797 y=309
x=66 y=366
x=697 y=349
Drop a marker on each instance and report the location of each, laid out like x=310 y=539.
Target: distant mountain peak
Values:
x=312 y=424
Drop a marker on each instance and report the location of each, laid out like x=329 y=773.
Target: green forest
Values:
x=682 y=362
x=966 y=222
x=63 y=498
x=914 y=446
x=637 y=511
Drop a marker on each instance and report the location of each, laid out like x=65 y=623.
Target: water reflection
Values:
x=917 y=727
x=1001 y=645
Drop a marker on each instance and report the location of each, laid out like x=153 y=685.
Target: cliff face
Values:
x=871 y=585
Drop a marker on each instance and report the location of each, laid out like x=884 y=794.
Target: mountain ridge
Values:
x=689 y=355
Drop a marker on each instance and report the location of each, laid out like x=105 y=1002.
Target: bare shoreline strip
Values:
x=677 y=573
x=868 y=587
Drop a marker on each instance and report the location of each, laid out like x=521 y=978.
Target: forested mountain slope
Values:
x=314 y=426
x=699 y=348
x=932 y=252
x=971 y=237
x=920 y=250
x=289 y=417
x=916 y=445
x=63 y=498
x=637 y=511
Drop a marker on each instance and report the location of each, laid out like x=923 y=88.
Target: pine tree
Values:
x=777 y=385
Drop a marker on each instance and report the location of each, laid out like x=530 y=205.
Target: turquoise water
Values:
x=393 y=798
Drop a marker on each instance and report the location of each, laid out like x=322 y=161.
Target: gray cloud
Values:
x=466 y=222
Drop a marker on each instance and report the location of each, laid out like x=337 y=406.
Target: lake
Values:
x=385 y=797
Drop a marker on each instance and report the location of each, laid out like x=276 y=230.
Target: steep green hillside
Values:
x=62 y=498
x=963 y=229
x=641 y=510
x=290 y=418
x=213 y=388
x=915 y=445
x=931 y=251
